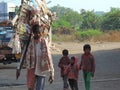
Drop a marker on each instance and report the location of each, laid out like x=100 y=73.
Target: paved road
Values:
x=107 y=76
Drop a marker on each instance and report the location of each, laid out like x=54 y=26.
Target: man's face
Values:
x=36 y=35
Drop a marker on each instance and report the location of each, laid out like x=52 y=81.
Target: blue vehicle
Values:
x=5 y=35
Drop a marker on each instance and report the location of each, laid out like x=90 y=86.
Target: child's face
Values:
x=72 y=61
x=87 y=51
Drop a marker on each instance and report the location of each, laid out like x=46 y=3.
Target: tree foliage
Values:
x=85 y=20
x=111 y=20
x=89 y=20
x=67 y=16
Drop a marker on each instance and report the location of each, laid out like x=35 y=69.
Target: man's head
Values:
x=36 y=31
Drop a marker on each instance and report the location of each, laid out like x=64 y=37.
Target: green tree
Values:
x=60 y=23
x=72 y=18
x=89 y=20
x=111 y=20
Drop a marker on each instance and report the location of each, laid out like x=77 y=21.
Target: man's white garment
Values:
x=38 y=55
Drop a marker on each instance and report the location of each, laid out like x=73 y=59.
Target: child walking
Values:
x=87 y=65
x=63 y=63
x=72 y=71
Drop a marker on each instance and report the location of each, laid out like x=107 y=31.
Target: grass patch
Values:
x=87 y=34
x=109 y=36
x=63 y=38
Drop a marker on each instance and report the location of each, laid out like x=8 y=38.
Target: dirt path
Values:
x=77 y=47
x=107 y=76
x=107 y=55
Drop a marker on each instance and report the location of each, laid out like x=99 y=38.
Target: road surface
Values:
x=107 y=76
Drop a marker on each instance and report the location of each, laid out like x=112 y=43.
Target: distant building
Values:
x=7 y=11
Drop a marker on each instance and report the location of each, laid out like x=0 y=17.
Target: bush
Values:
x=87 y=34
x=109 y=36
x=63 y=38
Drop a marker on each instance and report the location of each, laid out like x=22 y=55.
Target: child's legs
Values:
x=71 y=83
x=75 y=84
x=87 y=78
x=30 y=89
x=65 y=81
x=40 y=82
x=30 y=79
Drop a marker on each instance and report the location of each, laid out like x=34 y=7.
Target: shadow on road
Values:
x=107 y=72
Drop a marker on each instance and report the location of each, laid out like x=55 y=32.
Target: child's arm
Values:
x=67 y=69
x=60 y=65
x=93 y=66
x=81 y=63
x=78 y=67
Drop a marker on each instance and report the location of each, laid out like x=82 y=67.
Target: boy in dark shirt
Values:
x=63 y=63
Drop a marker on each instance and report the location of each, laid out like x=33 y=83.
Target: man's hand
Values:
x=2 y=56
x=51 y=78
x=17 y=73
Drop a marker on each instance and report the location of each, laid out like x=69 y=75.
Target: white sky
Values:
x=96 y=5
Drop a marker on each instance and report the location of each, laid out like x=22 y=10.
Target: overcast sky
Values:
x=96 y=5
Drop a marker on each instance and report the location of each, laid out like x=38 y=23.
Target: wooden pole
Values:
x=22 y=58
x=22 y=1
x=24 y=53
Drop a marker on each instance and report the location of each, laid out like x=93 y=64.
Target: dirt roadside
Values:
x=75 y=47
x=106 y=78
